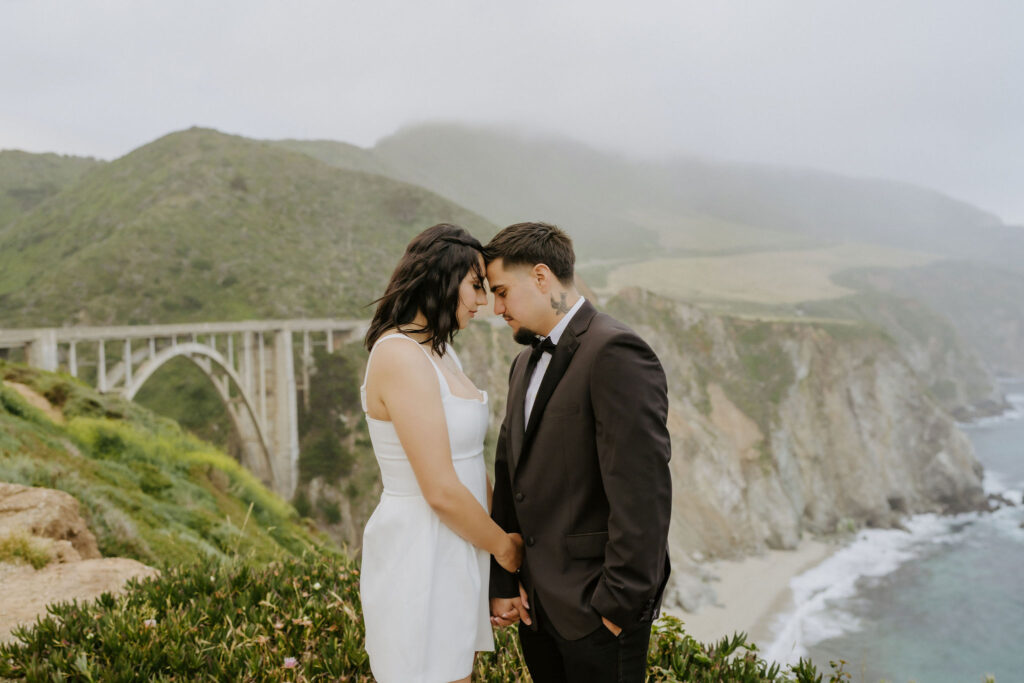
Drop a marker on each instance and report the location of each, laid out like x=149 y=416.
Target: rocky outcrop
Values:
x=48 y=521
x=781 y=428
x=983 y=303
x=45 y=513
x=947 y=364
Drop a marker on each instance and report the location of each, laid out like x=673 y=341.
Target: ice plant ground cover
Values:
x=296 y=619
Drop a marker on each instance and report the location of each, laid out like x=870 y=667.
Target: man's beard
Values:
x=525 y=336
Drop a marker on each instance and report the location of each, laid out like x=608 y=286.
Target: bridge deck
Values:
x=20 y=337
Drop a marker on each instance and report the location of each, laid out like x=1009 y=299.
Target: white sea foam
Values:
x=1007 y=521
x=824 y=594
x=1011 y=414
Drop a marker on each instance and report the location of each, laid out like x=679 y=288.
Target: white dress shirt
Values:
x=545 y=360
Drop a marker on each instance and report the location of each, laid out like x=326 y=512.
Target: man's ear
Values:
x=543 y=277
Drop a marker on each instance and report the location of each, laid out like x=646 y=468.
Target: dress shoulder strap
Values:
x=445 y=391
x=450 y=350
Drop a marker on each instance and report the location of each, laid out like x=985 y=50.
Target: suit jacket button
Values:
x=529 y=541
x=519 y=496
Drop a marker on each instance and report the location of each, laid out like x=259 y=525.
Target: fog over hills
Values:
x=616 y=205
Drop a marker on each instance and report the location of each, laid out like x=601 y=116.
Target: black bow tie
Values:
x=540 y=345
x=544 y=344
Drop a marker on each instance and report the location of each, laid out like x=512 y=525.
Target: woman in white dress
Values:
x=427 y=546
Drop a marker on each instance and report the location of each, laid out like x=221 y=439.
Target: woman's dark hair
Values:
x=427 y=279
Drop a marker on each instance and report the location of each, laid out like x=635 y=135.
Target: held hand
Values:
x=512 y=557
x=616 y=630
x=525 y=603
x=504 y=611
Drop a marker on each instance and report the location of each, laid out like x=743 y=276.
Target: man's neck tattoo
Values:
x=561 y=307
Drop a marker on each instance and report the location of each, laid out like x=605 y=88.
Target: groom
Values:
x=581 y=470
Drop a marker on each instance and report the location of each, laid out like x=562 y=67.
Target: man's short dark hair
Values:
x=527 y=244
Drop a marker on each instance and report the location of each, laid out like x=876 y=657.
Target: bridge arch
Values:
x=256 y=379
x=241 y=407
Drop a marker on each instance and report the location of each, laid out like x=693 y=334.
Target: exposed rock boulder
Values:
x=45 y=513
x=50 y=520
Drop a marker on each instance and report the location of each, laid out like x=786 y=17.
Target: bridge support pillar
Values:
x=282 y=425
x=42 y=351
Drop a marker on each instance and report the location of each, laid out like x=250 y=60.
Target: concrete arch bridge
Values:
x=253 y=365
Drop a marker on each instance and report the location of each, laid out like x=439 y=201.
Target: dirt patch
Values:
x=27 y=592
x=37 y=400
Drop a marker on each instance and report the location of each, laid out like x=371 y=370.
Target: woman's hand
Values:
x=511 y=557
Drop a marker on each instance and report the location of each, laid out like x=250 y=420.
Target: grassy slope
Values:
x=148 y=490
x=27 y=180
x=199 y=225
x=775 y=277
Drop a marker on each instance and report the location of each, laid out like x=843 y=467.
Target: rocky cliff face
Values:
x=984 y=304
x=945 y=354
x=780 y=428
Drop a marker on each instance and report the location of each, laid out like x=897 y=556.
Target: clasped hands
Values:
x=507 y=611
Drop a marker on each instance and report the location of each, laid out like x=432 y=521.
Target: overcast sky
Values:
x=928 y=91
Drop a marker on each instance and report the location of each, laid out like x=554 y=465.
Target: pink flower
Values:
x=290 y=662
x=149 y=623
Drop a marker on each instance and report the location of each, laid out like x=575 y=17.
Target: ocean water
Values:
x=942 y=603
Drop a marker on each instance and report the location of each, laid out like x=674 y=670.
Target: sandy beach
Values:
x=752 y=591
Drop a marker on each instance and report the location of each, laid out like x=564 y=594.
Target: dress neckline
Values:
x=446 y=389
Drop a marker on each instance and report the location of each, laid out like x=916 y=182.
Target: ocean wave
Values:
x=825 y=595
x=1007 y=521
x=821 y=593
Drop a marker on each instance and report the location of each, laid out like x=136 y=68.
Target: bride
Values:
x=425 y=558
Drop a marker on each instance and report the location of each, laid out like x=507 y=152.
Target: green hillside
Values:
x=339 y=154
x=148 y=490
x=199 y=225
x=26 y=180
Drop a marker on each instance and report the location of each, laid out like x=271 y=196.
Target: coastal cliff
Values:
x=784 y=427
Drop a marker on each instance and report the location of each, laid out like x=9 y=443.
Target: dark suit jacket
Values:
x=587 y=481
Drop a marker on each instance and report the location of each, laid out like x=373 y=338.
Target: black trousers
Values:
x=598 y=657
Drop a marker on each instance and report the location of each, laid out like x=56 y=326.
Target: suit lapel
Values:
x=517 y=384
x=564 y=351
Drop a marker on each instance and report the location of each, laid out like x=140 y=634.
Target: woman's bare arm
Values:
x=406 y=386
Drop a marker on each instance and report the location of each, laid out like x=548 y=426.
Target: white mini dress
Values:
x=423 y=587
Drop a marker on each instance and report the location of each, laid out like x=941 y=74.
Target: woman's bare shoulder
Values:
x=398 y=355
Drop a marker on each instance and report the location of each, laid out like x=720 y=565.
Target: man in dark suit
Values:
x=581 y=470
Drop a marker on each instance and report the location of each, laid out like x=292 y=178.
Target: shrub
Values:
x=293 y=619
x=209 y=621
